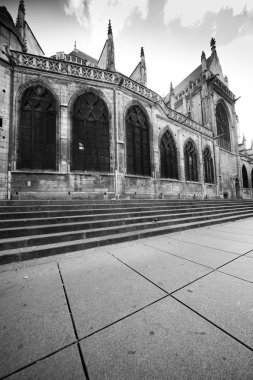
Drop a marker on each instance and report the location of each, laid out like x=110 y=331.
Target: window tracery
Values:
x=90 y=134
x=37 y=131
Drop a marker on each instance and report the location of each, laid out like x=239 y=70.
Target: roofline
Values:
x=34 y=37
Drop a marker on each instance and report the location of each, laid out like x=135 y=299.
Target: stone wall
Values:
x=116 y=183
x=5 y=89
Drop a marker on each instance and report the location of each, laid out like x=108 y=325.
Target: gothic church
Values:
x=73 y=127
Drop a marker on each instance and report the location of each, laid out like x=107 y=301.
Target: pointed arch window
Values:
x=90 y=134
x=137 y=139
x=190 y=159
x=168 y=150
x=245 y=180
x=37 y=131
x=223 y=127
x=208 y=166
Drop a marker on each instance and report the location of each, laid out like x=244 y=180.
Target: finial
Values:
x=21 y=6
x=213 y=44
x=203 y=55
x=171 y=88
x=109 y=28
x=243 y=138
x=142 y=52
x=75 y=45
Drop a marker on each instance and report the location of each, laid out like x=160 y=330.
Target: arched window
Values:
x=222 y=127
x=245 y=181
x=90 y=134
x=190 y=160
x=208 y=166
x=168 y=156
x=37 y=132
x=137 y=139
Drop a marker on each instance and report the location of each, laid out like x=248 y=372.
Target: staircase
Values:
x=33 y=229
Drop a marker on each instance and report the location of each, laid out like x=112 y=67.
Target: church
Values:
x=73 y=127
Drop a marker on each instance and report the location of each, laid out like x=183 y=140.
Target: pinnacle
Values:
x=213 y=44
x=21 y=6
x=109 y=27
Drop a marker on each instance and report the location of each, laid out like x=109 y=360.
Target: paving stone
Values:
x=34 y=317
x=102 y=290
x=64 y=365
x=210 y=257
x=165 y=341
x=227 y=235
x=217 y=243
x=235 y=228
x=227 y=301
x=250 y=254
x=242 y=268
x=167 y=271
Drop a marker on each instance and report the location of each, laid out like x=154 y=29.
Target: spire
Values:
x=171 y=89
x=20 y=22
x=106 y=60
x=213 y=44
x=21 y=6
x=140 y=73
x=243 y=139
x=143 y=68
x=203 y=61
x=75 y=45
x=109 y=28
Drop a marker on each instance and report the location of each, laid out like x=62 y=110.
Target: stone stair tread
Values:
x=135 y=210
x=19 y=253
x=101 y=229
x=199 y=212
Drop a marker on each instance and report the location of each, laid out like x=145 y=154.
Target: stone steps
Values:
x=31 y=219
x=28 y=236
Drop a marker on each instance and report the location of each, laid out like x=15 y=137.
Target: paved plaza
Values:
x=175 y=306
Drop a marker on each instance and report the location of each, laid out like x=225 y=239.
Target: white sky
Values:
x=173 y=34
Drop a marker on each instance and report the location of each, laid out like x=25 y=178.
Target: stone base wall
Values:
x=46 y=185
x=57 y=186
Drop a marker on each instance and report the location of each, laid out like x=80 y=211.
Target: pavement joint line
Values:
x=73 y=325
x=159 y=287
x=122 y=318
x=236 y=258
x=239 y=278
x=213 y=323
x=202 y=245
x=38 y=360
x=180 y=257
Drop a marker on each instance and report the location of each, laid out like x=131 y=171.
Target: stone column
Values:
x=64 y=155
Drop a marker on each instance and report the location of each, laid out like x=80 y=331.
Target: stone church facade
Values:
x=73 y=127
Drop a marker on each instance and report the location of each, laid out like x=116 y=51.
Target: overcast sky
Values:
x=173 y=34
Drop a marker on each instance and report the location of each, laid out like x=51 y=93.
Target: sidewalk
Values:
x=177 y=306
